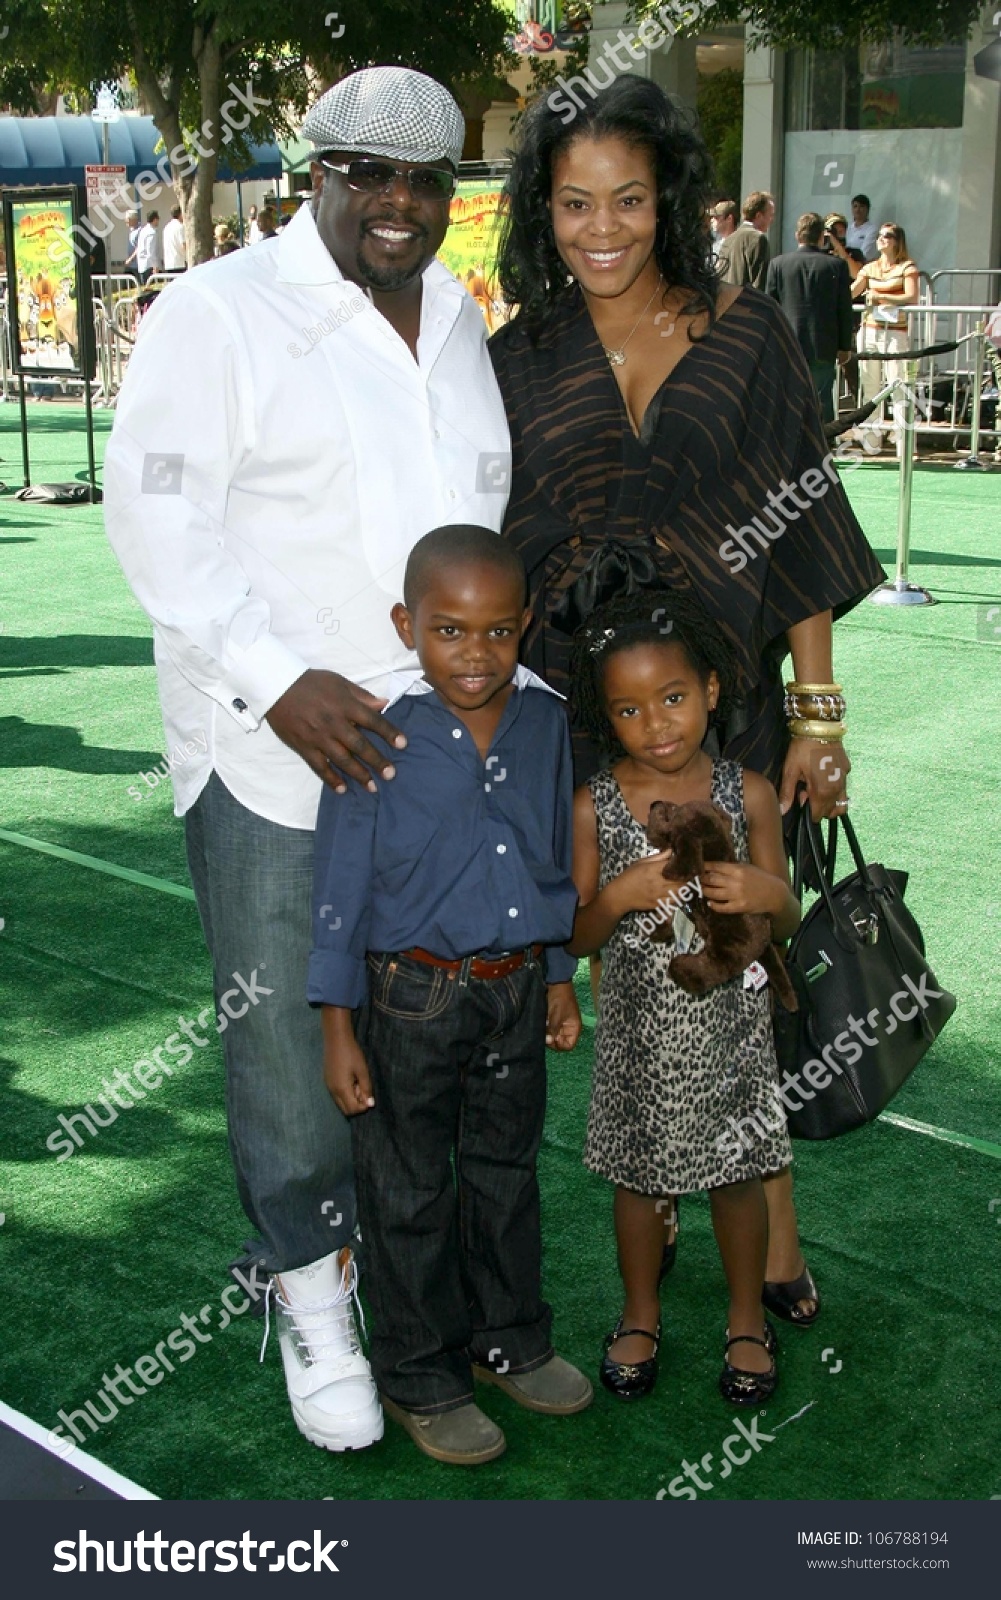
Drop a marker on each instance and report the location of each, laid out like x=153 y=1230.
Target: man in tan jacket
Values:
x=743 y=257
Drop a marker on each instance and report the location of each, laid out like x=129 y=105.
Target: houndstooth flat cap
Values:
x=388 y=111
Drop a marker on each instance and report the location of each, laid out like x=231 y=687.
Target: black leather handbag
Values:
x=870 y=1005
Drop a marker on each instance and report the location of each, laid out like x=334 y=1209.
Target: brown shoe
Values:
x=464 y=1437
x=556 y=1388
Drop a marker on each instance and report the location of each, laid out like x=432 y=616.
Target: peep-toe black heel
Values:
x=782 y=1299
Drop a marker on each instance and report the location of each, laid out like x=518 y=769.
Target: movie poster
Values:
x=470 y=247
x=42 y=281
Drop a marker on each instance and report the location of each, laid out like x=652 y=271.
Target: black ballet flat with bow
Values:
x=782 y=1299
x=743 y=1388
x=629 y=1380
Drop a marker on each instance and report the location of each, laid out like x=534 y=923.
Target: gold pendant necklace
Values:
x=617 y=358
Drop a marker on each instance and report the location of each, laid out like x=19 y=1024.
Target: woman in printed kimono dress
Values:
x=665 y=431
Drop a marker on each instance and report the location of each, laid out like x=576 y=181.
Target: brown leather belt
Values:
x=479 y=966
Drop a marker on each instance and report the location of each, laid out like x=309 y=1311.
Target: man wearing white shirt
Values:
x=861 y=234
x=175 y=257
x=148 y=258
x=341 y=404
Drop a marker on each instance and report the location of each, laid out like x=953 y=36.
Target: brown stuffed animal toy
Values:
x=698 y=832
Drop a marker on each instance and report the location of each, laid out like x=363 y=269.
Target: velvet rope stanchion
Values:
x=901 y=591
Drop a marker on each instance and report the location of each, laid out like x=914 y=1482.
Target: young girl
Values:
x=674 y=1075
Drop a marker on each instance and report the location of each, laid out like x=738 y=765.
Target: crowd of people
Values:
x=446 y=617
x=152 y=251
x=834 y=263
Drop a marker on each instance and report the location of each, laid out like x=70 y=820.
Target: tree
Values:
x=827 y=26
x=822 y=24
x=217 y=73
x=720 y=105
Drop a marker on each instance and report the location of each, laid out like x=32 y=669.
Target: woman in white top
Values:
x=888 y=283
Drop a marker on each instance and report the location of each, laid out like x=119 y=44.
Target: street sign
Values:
x=103 y=185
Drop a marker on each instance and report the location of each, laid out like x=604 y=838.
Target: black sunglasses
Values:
x=378 y=177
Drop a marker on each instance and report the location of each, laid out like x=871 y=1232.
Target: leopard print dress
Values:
x=684 y=1095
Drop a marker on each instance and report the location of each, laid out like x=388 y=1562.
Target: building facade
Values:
x=918 y=130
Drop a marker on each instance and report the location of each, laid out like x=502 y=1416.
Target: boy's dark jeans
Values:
x=452 y=1252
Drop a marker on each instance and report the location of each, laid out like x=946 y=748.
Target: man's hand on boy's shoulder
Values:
x=563 y=1024
x=345 y=1070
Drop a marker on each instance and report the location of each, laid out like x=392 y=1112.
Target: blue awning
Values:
x=41 y=150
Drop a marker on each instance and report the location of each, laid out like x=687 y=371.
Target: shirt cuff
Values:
x=260 y=676
x=560 y=967
x=336 y=980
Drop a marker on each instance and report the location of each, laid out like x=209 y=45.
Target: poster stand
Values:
x=43 y=263
x=24 y=430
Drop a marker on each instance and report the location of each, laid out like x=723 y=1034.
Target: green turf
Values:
x=103 y=1252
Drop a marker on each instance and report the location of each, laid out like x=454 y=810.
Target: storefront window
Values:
x=886 y=85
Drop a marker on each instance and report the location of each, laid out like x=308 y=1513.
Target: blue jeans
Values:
x=448 y=1197
x=290 y=1145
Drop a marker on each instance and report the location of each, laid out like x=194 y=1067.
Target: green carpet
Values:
x=103 y=1252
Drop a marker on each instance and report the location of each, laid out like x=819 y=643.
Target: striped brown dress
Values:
x=593 y=508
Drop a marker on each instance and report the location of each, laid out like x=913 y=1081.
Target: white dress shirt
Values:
x=276 y=454
x=147 y=248
x=174 y=254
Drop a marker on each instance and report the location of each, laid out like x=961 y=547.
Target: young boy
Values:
x=441 y=904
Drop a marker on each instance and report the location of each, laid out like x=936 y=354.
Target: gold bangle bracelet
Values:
x=825 y=732
x=814 y=688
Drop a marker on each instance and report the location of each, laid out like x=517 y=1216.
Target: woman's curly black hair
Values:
x=532 y=274
x=648 y=616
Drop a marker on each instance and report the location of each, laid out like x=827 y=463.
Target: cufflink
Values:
x=240 y=705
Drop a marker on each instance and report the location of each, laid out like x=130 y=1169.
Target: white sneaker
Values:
x=334 y=1399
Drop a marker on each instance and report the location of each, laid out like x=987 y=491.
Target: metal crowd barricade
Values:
x=949 y=386
x=924 y=329
x=111 y=293
x=116 y=323
x=965 y=286
x=952 y=383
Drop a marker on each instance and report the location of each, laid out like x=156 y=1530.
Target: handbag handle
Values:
x=856 y=851
x=800 y=848
x=843 y=931
x=815 y=839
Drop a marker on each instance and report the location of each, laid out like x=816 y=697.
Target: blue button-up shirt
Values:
x=456 y=854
